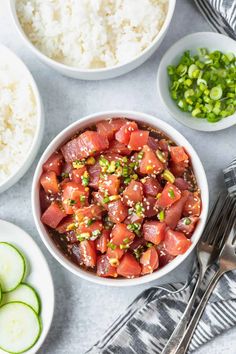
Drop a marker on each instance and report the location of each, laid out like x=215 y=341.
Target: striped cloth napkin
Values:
x=148 y=322
x=221 y=15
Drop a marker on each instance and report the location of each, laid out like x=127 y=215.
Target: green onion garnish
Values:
x=161 y=215
x=71 y=202
x=149 y=244
x=90 y=222
x=187 y=221
x=204 y=84
x=106 y=200
x=82 y=198
x=171 y=193
x=135 y=227
x=168 y=176
x=85 y=179
x=111 y=245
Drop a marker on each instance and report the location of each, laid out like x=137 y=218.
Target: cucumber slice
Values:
x=12 y=267
x=19 y=327
x=23 y=293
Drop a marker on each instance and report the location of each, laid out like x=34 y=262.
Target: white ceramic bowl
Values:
x=86 y=122
x=103 y=73
x=39 y=275
x=192 y=42
x=29 y=158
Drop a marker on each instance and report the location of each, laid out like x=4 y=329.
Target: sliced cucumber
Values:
x=23 y=293
x=12 y=267
x=19 y=327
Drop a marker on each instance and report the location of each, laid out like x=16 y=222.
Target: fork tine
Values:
x=223 y=221
x=212 y=217
x=232 y=235
x=216 y=219
x=227 y=235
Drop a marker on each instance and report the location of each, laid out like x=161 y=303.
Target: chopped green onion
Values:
x=135 y=227
x=111 y=245
x=161 y=156
x=114 y=262
x=70 y=202
x=134 y=176
x=168 y=176
x=139 y=209
x=90 y=222
x=106 y=200
x=196 y=112
x=85 y=179
x=111 y=167
x=123 y=247
x=149 y=244
x=161 y=215
x=78 y=164
x=216 y=93
x=171 y=193
x=82 y=198
x=210 y=78
x=187 y=221
x=127 y=180
x=83 y=236
x=193 y=68
x=140 y=155
x=65 y=175
x=188 y=93
x=125 y=172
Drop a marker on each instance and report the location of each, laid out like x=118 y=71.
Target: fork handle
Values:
x=186 y=339
x=179 y=331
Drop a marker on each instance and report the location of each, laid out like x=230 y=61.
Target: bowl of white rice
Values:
x=21 y=119
x=92 y=39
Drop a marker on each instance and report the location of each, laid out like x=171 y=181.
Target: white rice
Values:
x=18 y=117
x=91 y=33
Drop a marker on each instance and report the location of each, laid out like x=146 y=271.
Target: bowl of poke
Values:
x=120 y=198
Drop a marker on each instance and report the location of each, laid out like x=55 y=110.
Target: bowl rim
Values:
x=14 y=228
x=172 y=53
x=29 y=158
x=86 y=122
x=71 y=69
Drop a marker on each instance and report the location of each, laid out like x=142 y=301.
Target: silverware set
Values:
x=216 y=246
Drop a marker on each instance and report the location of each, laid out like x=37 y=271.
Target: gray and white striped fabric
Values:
x=148 y=322
x=221 y=15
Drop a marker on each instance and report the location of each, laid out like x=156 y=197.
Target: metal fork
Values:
x=208 y=250
x=227 y=262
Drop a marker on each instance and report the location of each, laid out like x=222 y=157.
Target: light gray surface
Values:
x=83 y=310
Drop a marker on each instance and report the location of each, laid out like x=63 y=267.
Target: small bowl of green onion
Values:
x=197 y=81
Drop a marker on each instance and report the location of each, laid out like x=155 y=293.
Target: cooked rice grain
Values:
x=91 y=34
x=18 y=118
